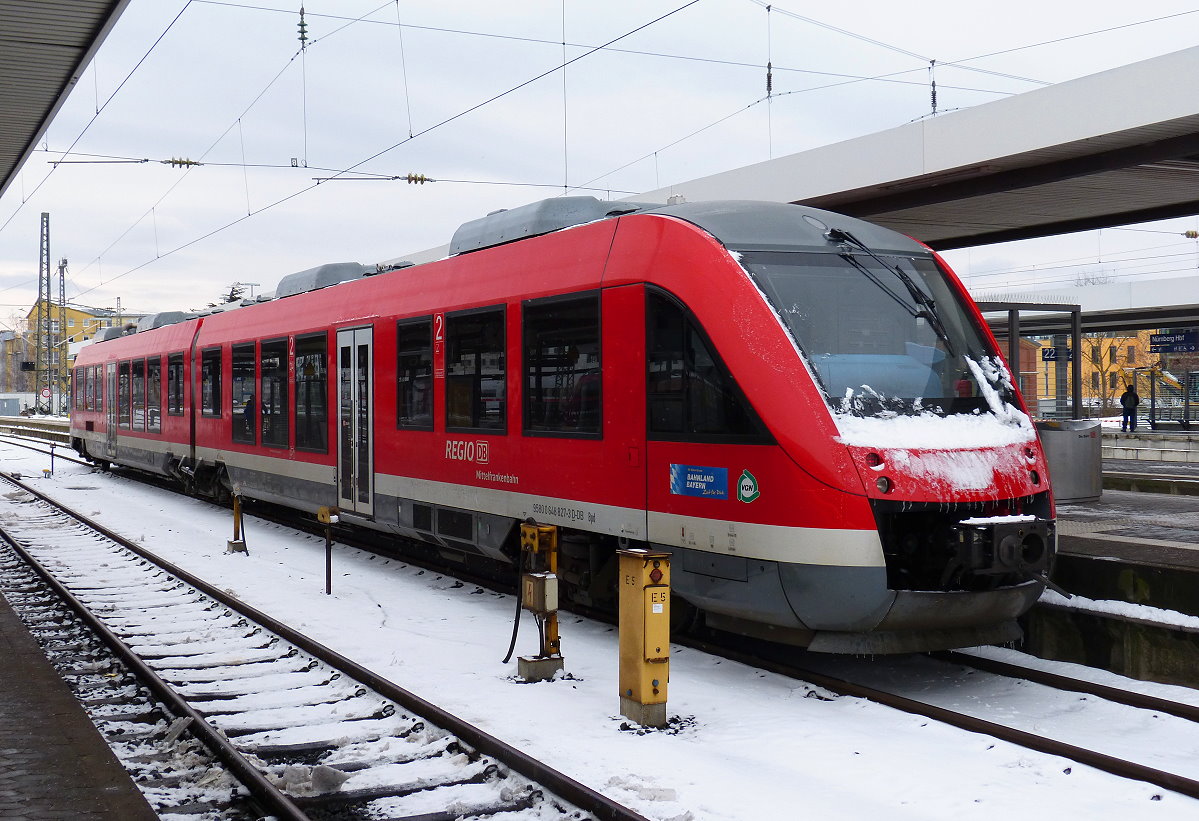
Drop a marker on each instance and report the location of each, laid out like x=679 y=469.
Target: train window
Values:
x=210 y=382
x=414 y=374
x=154 y=394
x=475 y=374
x=123 y=395
x=562 y=365
x=691 y=394
x=77 y=388
x=91 y=388
x=139 y=394
x=312 y=374
x=175 y=384
x=244 y=406
x=272 y=390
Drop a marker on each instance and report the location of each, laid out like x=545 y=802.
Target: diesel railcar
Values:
x=804 y=408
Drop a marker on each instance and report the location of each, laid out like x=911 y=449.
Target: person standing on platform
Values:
x=1129 y=401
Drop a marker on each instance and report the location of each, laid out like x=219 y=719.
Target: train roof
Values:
x=745 y=225
x=740 y=225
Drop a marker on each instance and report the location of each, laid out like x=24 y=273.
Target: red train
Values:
x=805 y=408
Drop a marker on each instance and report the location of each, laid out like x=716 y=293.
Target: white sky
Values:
x=225 y=86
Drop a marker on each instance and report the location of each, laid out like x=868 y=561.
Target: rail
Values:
x=541 y=775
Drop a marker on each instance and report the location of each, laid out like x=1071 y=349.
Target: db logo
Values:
x=462 y=450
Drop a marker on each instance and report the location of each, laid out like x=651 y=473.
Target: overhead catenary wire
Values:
x=404 y=67
x=376 y=155
x=100 y=109
x=400 y=28
x=235 y=124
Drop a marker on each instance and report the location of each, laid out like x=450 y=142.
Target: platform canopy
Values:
x=45 y=45
x=1113 y=148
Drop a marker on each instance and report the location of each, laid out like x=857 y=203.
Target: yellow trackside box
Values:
x=539 y=592
x=539 y=539
x=644 y=635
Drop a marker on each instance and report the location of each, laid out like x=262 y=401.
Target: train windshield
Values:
x=884 y=334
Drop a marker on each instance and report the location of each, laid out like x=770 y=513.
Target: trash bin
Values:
x=1074 y=450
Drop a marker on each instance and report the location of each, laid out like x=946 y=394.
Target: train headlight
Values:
x=884 y=484
x=873 y=460
x=1034 y=477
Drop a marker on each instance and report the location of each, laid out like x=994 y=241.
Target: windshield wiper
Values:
x=928 y=306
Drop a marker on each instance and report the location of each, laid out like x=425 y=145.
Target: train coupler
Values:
x=1000 y=545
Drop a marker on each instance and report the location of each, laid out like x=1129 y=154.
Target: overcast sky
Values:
x=388 y=88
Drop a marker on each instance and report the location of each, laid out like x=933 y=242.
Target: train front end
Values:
x=927 y=411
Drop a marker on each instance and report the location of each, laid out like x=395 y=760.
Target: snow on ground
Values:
x=752 y=745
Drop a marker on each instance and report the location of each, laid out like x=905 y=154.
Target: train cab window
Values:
x=691 y=394
x=414 y=374
x=475 y=375
x=139 y=394
x=175 y=384
x=272 y=391
x=245 y=407
x=311 y=383
x=123 y=371
x=154 y=394
x=562 y=365
x=210 y=382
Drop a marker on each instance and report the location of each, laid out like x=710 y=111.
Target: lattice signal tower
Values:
x=43 y=345
x=62 y=394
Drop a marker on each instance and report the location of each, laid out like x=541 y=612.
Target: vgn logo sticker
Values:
x=747 y=488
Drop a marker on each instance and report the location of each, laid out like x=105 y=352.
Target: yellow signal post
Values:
x=539 y=595
x=644 y=635
x=238 y=543
x=328 y=517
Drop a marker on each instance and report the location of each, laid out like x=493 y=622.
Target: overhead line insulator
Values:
x=180 y=162
x=418 y=179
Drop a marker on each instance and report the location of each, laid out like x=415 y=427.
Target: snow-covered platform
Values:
x=53 y=762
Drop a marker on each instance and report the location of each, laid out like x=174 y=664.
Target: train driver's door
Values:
x=355 y=440
x=110 y=410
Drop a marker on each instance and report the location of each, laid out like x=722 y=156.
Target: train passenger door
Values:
x=110 y=410
x=355 y=440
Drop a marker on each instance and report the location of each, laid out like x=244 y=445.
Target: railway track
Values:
x=815 y=671
x=768 y=657
x=307 y=732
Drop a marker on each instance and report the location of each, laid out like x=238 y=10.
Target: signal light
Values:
x=655 y=575
x=883 y=484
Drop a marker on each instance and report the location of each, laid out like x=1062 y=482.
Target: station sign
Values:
x=1180 y=342
x=1051 y=354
